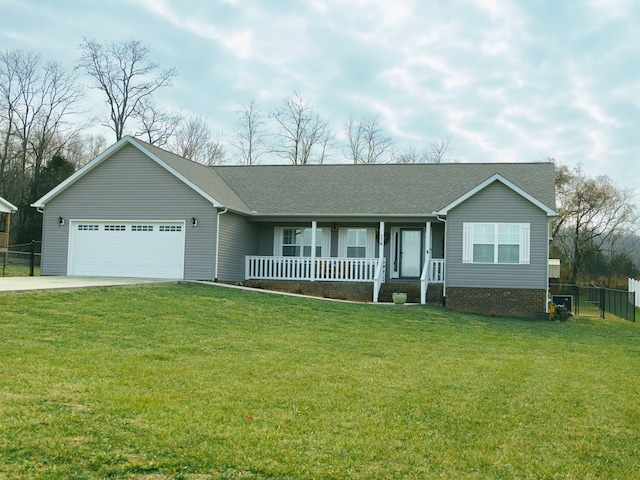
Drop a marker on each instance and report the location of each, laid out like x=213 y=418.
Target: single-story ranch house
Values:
x=472 y=235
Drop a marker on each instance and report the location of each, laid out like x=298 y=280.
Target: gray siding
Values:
x=437 y=240
x=265 y=239
x=131 y=186
x=497 y=203
x=238 y=238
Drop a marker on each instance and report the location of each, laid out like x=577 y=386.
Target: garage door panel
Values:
x=131 y=249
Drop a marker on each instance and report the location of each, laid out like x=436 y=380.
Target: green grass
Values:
x=198 y=382
x=17 y=270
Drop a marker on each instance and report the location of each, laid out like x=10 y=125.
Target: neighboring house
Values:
x=474 y=234
x=6 y=209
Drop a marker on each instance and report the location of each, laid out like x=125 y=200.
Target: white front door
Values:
x=410 y=252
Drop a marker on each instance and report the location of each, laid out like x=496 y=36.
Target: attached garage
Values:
x=124 y=248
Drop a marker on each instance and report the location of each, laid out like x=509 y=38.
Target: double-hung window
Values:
x=357 y=243
x=296 y=242
x=501 y=243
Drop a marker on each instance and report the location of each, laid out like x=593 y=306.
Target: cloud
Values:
x=508 y=80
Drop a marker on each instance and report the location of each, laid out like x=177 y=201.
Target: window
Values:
x=296 y=242
x=114 y=228
x=93 y=228
x=142 y=228
x=504 y=243
x=170 y=228
x=357 y=243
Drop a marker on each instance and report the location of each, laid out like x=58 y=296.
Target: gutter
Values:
x=220 y=212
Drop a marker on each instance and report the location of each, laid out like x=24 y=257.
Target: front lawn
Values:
x=196 y=382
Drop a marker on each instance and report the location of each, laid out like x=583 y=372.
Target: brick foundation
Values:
x=497 y=301
x=354 y=291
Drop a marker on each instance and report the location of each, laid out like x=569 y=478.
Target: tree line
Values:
x=44 y=139
x=43 y=128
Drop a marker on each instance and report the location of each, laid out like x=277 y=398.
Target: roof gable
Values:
x=497 y=178
x=186 y=171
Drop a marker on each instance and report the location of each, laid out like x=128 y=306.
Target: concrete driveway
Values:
x=17 y=284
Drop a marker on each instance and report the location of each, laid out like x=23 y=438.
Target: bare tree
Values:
x=36 y=100
x=83 y=148
x=408 y=155
x=126 y=77
x=56 y=97
x=368 y=143
x=303 y=136
x=592 y=212
x=195 y=141
x=438 y=149
x=156 y=126
x=250 y=135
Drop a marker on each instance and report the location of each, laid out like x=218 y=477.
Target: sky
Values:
x=506 y=80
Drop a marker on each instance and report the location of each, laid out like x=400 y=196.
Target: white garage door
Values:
x=127 y=249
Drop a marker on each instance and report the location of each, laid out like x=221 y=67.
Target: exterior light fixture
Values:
x=60 y=221
x=194 y=222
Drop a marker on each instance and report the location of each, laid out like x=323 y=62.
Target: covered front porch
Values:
x=395 y=252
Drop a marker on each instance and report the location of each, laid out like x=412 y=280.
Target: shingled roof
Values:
x=390 y=189
x=340 y=190
x=359 y=190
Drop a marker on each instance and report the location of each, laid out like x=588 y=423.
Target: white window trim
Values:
x=343 y=234
x=524 y=245
x=278 y=240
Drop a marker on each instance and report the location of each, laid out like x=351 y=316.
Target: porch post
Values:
x=427 y=243
x=424 y=280
x=381 y=242
x=314 y=228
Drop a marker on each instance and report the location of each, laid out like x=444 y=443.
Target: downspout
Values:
x=220 y=212
x=548 y=297
x=444 y=285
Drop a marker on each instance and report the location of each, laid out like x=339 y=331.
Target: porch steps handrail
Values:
x=424 y=282
x=432 y=272
x=378 y=279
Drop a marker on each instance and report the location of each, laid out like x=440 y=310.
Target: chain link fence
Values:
x=595 y=301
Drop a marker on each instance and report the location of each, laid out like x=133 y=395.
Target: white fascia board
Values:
x=7 y=207
x=41 y=202
x=499 y=178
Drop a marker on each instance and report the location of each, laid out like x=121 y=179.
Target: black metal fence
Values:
x=24 y=257
x=593 y=300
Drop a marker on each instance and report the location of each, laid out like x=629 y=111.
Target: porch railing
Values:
x=436 y=270
x=306 y=268
x=432 y=272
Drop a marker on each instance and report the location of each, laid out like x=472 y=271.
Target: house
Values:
x=475 y=235
x=6 y=209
